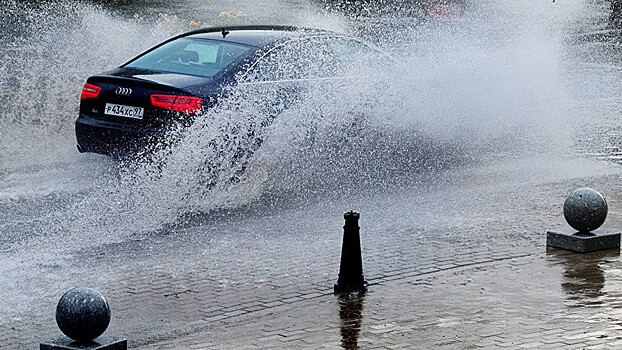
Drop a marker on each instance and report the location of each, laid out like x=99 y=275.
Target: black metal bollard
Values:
x=351 y=268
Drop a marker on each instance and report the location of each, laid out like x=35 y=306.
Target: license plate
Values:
x=124 y=111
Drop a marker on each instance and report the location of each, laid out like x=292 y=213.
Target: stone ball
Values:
x=82 y=314
x=585 y=210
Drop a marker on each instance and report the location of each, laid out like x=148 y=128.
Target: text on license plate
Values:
x=124 y=111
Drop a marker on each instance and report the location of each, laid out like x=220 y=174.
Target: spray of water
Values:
x=458 y=92
x=464 y=91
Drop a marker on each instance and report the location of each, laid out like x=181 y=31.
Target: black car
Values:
x=174 y=82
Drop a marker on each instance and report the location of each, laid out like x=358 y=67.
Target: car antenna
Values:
x=224 y=33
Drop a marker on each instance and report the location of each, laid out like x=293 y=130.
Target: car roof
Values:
x=261 y=36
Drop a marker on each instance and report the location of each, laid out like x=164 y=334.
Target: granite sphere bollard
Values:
x=83 y=314
x=585 y=210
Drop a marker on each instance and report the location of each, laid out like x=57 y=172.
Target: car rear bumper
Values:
x=110 y=138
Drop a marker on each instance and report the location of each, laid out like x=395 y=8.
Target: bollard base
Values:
x=345 y=288
x=596 y=240
x=97 y=344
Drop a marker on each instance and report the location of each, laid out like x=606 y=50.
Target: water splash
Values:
x=459 y=92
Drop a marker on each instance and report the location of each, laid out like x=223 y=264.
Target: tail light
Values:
x=90 y=91
x=184 y=104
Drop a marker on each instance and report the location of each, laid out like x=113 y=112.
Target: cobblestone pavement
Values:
x=542 y=301
x=457 y=263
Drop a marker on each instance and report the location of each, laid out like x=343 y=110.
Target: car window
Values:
x=190 y=56
x=206 y=53
x=308 y=58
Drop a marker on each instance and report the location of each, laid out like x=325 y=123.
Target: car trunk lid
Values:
x=126 y=96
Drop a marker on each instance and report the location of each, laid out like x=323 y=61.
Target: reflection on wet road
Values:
x=351 y=316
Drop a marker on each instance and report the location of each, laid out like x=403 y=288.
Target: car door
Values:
x=286 y=72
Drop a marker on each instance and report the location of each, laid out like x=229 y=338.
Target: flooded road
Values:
x=510 y=98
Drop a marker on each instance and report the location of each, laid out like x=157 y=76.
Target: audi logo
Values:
x=123 y=91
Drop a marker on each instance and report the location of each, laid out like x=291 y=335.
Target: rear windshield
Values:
x=192 y=56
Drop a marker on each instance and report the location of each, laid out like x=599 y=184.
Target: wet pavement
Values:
x=527 y=301
x=458 y=263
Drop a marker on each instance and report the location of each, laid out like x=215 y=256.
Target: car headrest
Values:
x=189 y=56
